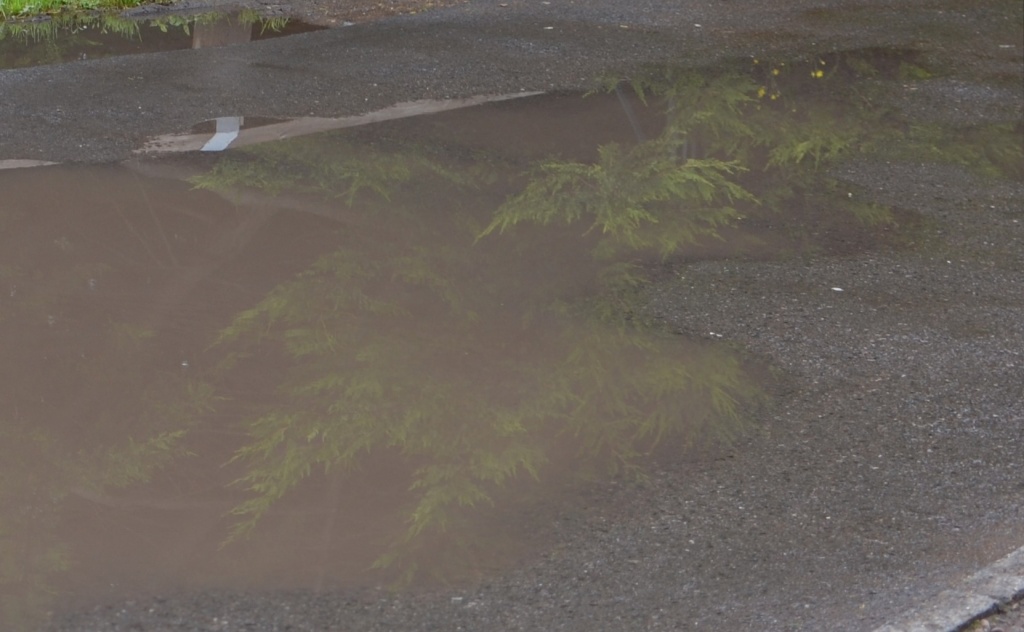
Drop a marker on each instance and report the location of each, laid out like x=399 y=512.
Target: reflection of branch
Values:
x=187 y=212
x=262 y=208
x=109 y=250
x=156 y=220
x=250 y=197
x=238 y=287
x=333 y=492
x=132 y=230
x=181 y=282
x=630 y=115
x=168 y=504
x=224 y=248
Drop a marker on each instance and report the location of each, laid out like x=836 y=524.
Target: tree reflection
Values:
x=458 y=356
x=412 y=354
x=642 y=198
x=472 y=356
x=475 y=322
x=432 y=336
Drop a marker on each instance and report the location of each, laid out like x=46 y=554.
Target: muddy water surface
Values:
x=386 y=353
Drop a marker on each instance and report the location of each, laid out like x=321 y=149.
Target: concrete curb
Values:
x=952 y=610
x=23 y=164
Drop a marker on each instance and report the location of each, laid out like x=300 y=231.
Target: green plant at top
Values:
x=10 y=9
x=68 y=25
x=52 y=40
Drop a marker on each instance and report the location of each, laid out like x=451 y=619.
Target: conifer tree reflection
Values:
x=469 y=357
x=431 y=335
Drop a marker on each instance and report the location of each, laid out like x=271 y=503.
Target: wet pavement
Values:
x=520 y=318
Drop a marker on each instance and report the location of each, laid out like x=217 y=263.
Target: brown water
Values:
x=387 y=353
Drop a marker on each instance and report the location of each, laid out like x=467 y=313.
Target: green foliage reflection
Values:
x=328 y=166
x=467 y=359
x=456 y=354
x=384 y=360
x=732 y=139
x=632 y=197
x=747 y=133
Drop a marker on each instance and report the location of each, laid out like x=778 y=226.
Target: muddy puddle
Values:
x=84 y=37
x=390 y=350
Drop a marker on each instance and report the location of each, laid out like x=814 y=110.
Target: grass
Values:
x=10 y=9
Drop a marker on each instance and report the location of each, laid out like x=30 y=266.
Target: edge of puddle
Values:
x=981 y=594
x=302 y=126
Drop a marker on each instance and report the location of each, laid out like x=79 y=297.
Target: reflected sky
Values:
x=375 y=354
